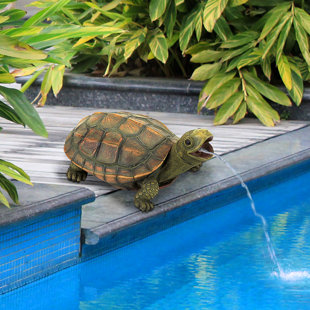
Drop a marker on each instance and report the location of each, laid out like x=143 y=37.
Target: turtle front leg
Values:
x=148 y=190
x=76 y=174
x=196 y=168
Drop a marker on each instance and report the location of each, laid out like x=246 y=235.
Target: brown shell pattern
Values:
x=119 y=148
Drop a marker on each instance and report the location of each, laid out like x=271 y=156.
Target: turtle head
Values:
x=194 y=146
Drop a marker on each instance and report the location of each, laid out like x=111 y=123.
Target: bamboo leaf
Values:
x=240 y=113
x=24 y=71
x=206 y=71
x=303 y=19
x=8 y=113
x=4 y=200
x=57 y=79
x=269 y=91
x=212 y=12
x=45 y=13
x=222 y=29
x=297 y=90
x=285 y=71
x=274 y=17
x=24 y=109
x=136 y=40
x=158 y=45
x=13 y=174
x=188 y=27
x=14 y=48
x=207 y=56
x=240 y=39
x=272 y=37
x=223 y=93
x=303 y=41
x=157 y=8
x=14 y=167
x=283 y=36
x=9 y=187
x=228 y=108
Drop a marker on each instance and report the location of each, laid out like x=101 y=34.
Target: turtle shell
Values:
x=119 y=148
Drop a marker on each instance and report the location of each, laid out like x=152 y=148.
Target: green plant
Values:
x=13 y=104
x=256 y=38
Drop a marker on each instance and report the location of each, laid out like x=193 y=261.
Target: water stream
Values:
x=280 y=273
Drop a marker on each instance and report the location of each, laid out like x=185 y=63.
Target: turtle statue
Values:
x=133 y=151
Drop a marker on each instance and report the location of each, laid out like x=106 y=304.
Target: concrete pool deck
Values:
x=111 y=221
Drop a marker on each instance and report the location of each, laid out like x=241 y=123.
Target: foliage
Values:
x=14 y=106
x=235 y=45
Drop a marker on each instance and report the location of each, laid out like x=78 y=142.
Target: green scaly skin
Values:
x=180 y=159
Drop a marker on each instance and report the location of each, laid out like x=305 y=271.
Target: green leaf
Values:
x=228 y=108
x=13 y=174
x=260 y=111
x=3 y=19
x=272 y=37
x=285 y=71
x=4 y=200
x=14 y=167
x=24 y=109
x=297 y=90
x=158 y=45
x=303 y=41
x=222 y=29
x=46 y=85
x=205 y=72
x=187 y=28
x=240 y=39
x=6 y=78
x=157 y=8
x=9 y=187
x=223 y=93
x=57 y=79
x=274 y=17
x=111 y=5
x=240 y=113
x=235 y=62
x=207 y=56
x=197 y=48
x=237 y=2
x=213 y=84
x=251 y=59
x=266 y=67
x=8 y=113
x=198 y=26
x=303 y=19
x=45 y=13
x=14 y=48
x=170 y=18
x=212 y=12
x=283 y=36
x=269 y=91
x=136 y=40
x=234 y=53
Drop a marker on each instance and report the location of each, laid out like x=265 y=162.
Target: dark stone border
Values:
x=149 y=94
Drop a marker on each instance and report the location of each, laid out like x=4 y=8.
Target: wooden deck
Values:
x=45 y=161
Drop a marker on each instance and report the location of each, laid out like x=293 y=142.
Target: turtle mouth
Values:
x=204 y=151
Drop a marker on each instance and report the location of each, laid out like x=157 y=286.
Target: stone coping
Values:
x=40 y=199
x=255 y=161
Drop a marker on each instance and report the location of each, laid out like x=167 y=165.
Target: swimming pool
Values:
x=218 y=260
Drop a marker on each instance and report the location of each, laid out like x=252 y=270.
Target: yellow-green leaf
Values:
x=269 y=91
x=206 y=71
x=223 y=93
x=4 y=200
x=251 y=59
x=14 y=48
x=303 y=41
x=4 y=19
x=158 y=45
x=240 y=113
x=285 y=71
x=237 y=2
x=83 y=40
x=303 y=19
x=57 y=79
x=132 y=44
x=266 y=66
x=240 y=39
x=24 y=71
x=207 y=56
x=212 y=11
x=6 y=78
x=13 y=174
x=297 y=90
x=228 y=108
x=157 y=8
x=283 y=36
x=9 y=187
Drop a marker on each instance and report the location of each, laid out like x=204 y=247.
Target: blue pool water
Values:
x=216 y=261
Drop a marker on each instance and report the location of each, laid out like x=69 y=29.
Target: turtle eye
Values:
x=188 y=142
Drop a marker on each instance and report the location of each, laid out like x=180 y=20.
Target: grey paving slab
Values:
x=114 y=212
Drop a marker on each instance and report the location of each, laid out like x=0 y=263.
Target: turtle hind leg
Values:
x=148 y=190
x=76 y=174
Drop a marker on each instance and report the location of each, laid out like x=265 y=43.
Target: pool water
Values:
x=216 y=261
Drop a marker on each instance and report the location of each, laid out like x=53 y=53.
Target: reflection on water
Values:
x=215 y=261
